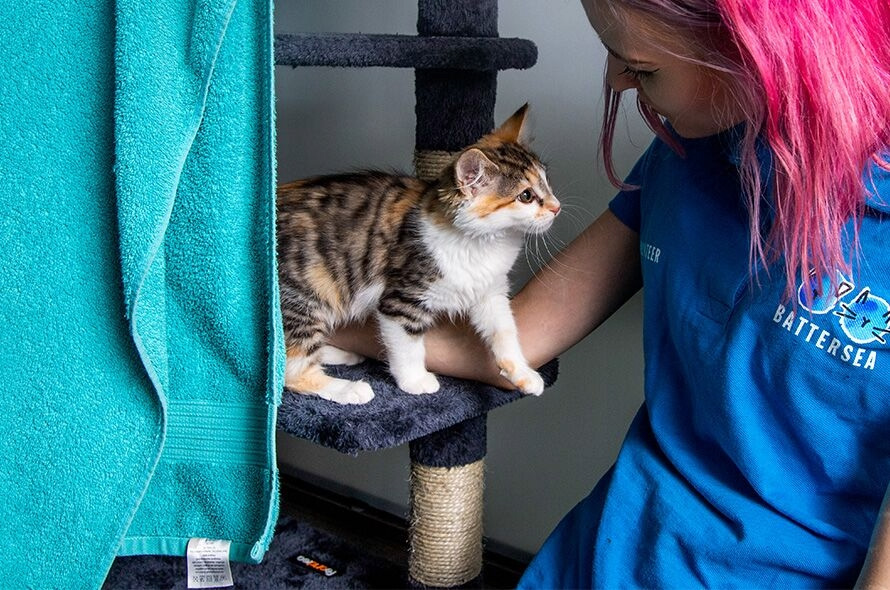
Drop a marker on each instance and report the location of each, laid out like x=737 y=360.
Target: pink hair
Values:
x=812 y=78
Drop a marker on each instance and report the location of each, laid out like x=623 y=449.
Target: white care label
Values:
x=208 y=564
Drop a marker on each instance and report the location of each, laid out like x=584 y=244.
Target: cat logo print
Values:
x=864 y=319
x=862 y=316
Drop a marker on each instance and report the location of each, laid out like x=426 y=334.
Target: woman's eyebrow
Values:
x=636 y=62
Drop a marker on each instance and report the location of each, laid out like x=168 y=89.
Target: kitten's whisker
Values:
x=531 y=262
x=574 y=203
x=577 y=213
x=551 y=263
x=540 y=261
x=550 y=252
x=538 y=257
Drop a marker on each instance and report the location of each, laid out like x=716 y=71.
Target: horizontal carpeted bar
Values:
x=357 y=50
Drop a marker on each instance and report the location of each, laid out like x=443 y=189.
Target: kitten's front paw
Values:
x=526 y=379
x=426 y=382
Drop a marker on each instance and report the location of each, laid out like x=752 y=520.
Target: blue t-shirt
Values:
x=762 y=452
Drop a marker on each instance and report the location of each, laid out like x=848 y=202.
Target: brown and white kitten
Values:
x=409 y=251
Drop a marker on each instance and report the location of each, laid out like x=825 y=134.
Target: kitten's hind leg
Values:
x=331 y=355
x=304 y=375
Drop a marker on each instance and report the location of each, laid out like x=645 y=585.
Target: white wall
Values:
x=544 y=454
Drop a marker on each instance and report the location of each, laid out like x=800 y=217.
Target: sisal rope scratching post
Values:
x=429 y=163
x=446 y=524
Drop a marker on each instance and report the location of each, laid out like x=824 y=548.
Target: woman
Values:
x=757 y=222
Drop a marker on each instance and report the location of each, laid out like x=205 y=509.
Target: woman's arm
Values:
x=581 y=287
x=876 y=571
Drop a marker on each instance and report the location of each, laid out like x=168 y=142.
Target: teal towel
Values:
x=141 y=356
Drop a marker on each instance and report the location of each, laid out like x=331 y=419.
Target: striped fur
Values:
x=408 y=250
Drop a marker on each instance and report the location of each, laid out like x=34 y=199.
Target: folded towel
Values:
x=140 y=354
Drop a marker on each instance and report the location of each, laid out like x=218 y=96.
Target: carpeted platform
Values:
x=393 y=417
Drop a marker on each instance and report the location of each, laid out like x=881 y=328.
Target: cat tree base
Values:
x=446 y=433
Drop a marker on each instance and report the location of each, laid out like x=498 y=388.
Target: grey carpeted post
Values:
x=453 y=109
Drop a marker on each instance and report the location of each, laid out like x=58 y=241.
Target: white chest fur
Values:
x=472 y=267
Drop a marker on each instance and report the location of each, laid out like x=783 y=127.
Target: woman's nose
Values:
x=616 y=80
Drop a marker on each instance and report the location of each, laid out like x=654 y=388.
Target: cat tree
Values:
x=456 y=56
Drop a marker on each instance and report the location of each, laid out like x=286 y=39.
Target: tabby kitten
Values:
x=410 y=251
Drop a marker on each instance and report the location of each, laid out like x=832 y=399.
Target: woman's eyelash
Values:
x=637 y=74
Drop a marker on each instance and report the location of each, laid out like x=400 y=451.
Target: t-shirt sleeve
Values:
x=626 y=207
x=626 y=204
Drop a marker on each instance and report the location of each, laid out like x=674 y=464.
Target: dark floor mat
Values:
x=281 y=568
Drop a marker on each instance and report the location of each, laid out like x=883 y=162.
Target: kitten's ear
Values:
x=515 y=129
x=473 y=171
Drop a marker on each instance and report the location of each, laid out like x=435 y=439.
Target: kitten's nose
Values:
x=553 y=207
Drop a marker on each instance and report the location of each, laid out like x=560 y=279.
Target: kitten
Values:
x=410 y=251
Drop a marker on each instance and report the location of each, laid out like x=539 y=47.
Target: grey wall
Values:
x=544 y=454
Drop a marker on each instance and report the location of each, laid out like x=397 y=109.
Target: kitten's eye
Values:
x=526 y=196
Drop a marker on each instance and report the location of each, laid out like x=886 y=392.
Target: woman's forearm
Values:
x=578 y=290
x=581 y=287
x=451 y=349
